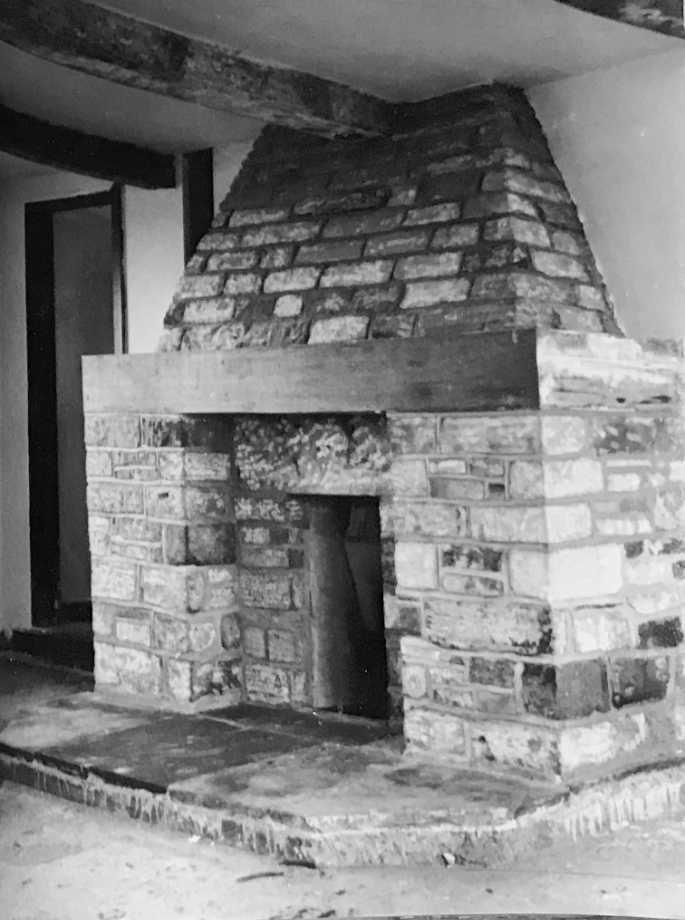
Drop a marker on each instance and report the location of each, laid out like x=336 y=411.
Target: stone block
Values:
x=509 y=525
x=103 y=616
x=330 y=252
x=555 y=478
x=213 y=309
x=264 y=683
x=466 y=583
x=357 y=225
x=666 y=633
x=433 y=214
x=600 y=629
x=165 y=502
x=559 y=265
x=98 y=464
x=638 y=680
x=496 y=203
x=507 y=625
x=218 y=241
x=232 y=261
x=428 y=266
x=170 y=634
x=413 y=434
x=288 y=511
x=566 y=691
x=277 y=257
x=430 y=293
x=188 y=681
x=416 y=565
x=283 y=646
x=455 y=236
x=510 y=434
x=199 y=286
x=339 y=329
x=440 y=733
x=128 y=670
x=525 y=746
x=230 y=632
x=99 y=533
x=114 y=580
x=470 y=556
x=294 y=232
x=496 y=672
x=254 y=642
x=267 y=589
x=393 y=243
x=114 y=498
x=626 y=434
x=563 y=434
x=188 y=588
x=529 y=232
x=408 y=477
x=288 y=305
x=247 y=216
x=429 y=518
x=402 y=613
x=136 y=528
x=241 y=283
x=291 y=279
x=378 y=298
x=356 y=273
x=600 y=742
x=199 y=544
x=208 y=503
x=457 y=489
x=567 y=574
x=134 y=627
x=205 y=465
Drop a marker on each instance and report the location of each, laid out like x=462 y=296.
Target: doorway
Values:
x=346 y=596
x=75 y=305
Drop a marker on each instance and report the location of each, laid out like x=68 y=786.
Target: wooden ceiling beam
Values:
x=63 y=148
x=116 y=47
x=665 y=16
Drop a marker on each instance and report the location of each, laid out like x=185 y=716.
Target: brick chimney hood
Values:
x=415 y=324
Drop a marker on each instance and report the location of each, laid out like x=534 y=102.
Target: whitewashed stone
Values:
x=416 y=565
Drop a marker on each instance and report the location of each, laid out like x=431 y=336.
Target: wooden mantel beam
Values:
x=63 y=148
x=481 y=372
x=664 y=16
x=116 y=47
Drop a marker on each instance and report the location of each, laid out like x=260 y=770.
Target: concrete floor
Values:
x=60 y=861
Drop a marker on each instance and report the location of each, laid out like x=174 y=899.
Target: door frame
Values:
x=42 y=388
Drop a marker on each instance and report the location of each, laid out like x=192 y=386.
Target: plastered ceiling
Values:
x=398 y=49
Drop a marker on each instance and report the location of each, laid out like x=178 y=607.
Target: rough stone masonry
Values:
x=533 y=562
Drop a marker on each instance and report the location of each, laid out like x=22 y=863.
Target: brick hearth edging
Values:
x=587 y=811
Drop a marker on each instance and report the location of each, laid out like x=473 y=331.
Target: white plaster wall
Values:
x=153 y=237
x=14 y=534
x=618 y=136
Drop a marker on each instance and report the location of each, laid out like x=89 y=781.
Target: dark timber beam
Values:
x=124 y=50
x=482 y=372
x=52 y=145
x=664 y=16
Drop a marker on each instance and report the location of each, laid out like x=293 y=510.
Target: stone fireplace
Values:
x=395 y=459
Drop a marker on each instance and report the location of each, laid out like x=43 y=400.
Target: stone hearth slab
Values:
x=172 y=748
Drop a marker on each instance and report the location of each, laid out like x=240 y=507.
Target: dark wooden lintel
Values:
x=480 y=372
x=116 y=47
x=665 y=16
x=63 y=148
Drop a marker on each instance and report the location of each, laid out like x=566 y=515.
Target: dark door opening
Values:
x=346 y=595
x=75 y=305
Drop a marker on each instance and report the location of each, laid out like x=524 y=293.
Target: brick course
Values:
x=446 y=199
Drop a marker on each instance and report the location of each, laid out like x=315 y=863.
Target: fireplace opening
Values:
x=346 y=596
